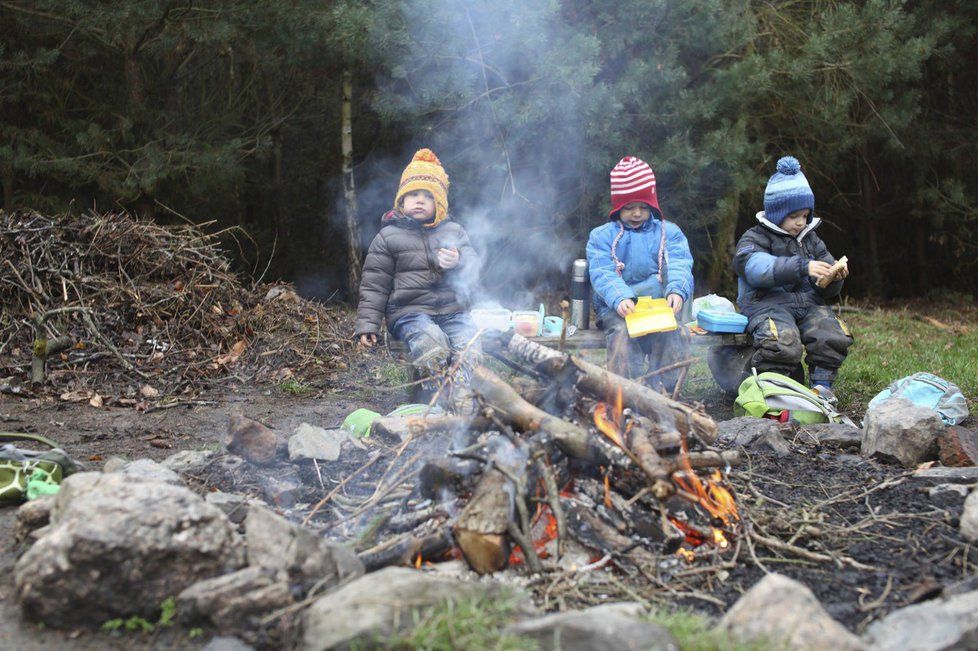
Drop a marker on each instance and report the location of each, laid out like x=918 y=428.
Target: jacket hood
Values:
x=813 y=223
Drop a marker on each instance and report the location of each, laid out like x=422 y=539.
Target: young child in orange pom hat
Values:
x=419 y=270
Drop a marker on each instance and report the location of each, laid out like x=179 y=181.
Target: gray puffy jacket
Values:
x=401 y=273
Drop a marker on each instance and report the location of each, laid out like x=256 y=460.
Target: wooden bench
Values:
x=727 y=355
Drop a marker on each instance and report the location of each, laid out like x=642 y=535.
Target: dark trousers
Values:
x=634 y=358
x=782 y=334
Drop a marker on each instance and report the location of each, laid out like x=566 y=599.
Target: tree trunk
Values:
x=354 y=260
x=868 y=191
x=8 y=188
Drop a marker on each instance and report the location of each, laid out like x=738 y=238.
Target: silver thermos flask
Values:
x=580 y=295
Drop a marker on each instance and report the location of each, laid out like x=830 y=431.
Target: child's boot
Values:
x=821 y=379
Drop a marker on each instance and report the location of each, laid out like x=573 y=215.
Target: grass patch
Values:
x=473 y=623
x=695 y=633
x=891 y=344
x=294 y=386
x=134 y=624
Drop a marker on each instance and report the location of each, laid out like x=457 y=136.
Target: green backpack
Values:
x=772 y=394
x=26 y=474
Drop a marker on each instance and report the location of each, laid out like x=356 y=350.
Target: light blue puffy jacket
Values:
x=638 y=249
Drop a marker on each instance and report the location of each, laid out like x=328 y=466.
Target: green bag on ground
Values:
x=27 y=474
x=770 y=394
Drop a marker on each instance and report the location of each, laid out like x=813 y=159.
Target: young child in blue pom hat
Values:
x=779 y=262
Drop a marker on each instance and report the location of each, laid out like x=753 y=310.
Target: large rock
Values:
x=118 y=546
x=310 y=442
x=380 y=604
x=150 y=470
x=784 y=614
x=897 y=430
x=969 y=518
x=307 y=559
x=32 y=516
x=931 y=626
x=833 y=435
x=608 y=627
x=753 y=433
x=958 y=446
x=235 y=602
x=250 y=439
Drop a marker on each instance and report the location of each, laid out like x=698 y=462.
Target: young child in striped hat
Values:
x=639 y=253
x=418 y=274
x=779 y=262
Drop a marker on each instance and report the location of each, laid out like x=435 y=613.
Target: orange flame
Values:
x=610 y=424
x=719 y=539
x=543 y=530
x=417 y=561
x=688 y=554
x=712 y=496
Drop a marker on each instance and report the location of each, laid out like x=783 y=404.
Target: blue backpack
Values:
x=927 y=390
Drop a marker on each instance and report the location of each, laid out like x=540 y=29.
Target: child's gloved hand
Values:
x=817 y=268
x=626 y=307
x=675 y=301
x=448 y=258
x=368 y=340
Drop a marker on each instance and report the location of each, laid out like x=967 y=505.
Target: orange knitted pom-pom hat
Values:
x=425 y=172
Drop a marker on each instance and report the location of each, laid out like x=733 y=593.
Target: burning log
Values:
x=601 y=383
x=408 y=549
x=480 y=529
x=571 y=438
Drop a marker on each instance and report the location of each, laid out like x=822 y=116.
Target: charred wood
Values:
x=602 y=383
x=406 y=549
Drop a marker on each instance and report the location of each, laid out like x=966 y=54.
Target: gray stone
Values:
x=311 y=442
x=744 y=430
x=118 y=546
x=755 y=434
x=114 y=464
x=944 y=489
x=227 y=644
x=235 y=602
x=784 y=614
x=33 y=515
x=188 y=462
x=233 y=505
x=379 y=604
x=276 y=543
x=609 y=627
x=150 y=470
x=833 y=435
x=930 y=626
x=969 y=518
x=899 y=431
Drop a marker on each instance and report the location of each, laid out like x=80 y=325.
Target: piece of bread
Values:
x=833 y=273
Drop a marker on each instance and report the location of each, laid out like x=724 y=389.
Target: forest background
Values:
x=233 y=113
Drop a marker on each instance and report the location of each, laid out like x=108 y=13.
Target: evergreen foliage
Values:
x=230 y=111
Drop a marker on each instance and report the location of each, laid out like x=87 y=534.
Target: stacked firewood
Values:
x=583 y=455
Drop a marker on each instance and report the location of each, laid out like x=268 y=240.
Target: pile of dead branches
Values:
x=111 y=299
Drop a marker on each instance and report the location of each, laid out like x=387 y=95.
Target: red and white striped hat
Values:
x=632 y=180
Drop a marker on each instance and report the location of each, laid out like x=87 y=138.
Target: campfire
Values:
x=578 y=466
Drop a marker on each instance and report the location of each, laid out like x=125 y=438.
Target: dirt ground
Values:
x=891 y=542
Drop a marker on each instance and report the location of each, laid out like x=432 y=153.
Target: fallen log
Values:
x=602 y=384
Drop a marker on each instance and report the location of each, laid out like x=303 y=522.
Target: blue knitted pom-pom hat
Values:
x=787 y=191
